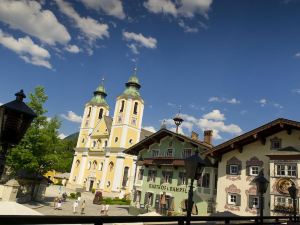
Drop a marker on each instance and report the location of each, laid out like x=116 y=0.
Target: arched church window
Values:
x=94 y=144
x=111 y=166
x=122 y=106
x=77 y=162
x=89 y=112
x=94 y=164
x=82 y=141
x=135 y=109
x=101 y=166
x=89 y=165
x=108 y=184
x=105 y=144
x=116 y=139
x=100 y=114
x=130 y=141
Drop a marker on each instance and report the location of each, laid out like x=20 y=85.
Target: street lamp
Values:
x=15 y=119
x=293 y=191
x=194 y=165
x=262 y=186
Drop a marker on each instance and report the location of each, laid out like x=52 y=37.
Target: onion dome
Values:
x=99 y=96
x=132 y=87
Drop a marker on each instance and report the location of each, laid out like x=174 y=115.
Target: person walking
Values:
x=75 y=205
x=59 y=206
x=55 y=203
x=82 y=207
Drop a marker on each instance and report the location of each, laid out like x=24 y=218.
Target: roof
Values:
x=108 y=121
x=99 y=97
x=134 y=150
x=145 y=133
x=260 y=133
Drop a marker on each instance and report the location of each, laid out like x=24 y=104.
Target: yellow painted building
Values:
x=99 y=162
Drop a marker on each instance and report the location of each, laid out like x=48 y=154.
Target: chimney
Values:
x=208 y=136
x=195 y=136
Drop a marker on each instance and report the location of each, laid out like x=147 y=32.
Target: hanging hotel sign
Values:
x=168 y=188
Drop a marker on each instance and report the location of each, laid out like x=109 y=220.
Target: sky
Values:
x=230 y=66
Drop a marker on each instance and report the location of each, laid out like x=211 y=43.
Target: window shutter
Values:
x=238 y=200
x=250 y=203
x=227 y=169
x=248 y=170
x=146 y=198
x=240 y=169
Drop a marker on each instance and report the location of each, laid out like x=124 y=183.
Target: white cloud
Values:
x=72 y=48
x=26 y=49
x=213 y=120
x=187 y=28
x=184 y=8
x=262 y=102
x=277 y=105
x=222 y=99
x=29 y=17
x=296 y=91
x=110 y=7
x=150 y=128
x=71 y=116
x=133 y=48
x=161 y=6
x=297 y=54
x=91 y=28
x=214 y=115
x=171 y=104
x=62 y=136
x=243 y=112
x=140 y=40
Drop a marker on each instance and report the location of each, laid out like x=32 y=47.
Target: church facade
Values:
x=99 y=161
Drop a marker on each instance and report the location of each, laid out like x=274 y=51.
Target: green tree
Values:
x=36 y=152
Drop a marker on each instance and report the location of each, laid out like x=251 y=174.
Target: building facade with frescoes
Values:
x=160 y=183
x=273 y=147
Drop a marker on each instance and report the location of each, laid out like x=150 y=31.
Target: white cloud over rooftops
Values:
x=73 y=117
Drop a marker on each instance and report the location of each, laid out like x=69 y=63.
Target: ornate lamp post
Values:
x=262 y=186
x=293 y=191
x=15 y=119
x=193 y=165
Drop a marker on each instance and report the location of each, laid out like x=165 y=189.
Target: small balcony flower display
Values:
x=285 y=209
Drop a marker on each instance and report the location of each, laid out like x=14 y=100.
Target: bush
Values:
x=93 y=190
x=73 y=195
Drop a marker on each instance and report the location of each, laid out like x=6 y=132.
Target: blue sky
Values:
x=231 y=65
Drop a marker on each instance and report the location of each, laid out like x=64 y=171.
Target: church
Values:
x=99 y=161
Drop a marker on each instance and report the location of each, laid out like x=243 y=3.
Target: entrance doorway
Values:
x=91 y=185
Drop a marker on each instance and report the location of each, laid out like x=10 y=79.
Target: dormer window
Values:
x=100 y=114
x=116 y=139
x=135 y=110
x=275 y=143
x=122 y=106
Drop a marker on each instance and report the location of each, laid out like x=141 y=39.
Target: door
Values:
x=91 y=185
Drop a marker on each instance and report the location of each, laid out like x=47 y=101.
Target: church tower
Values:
x=94 y=111
x=128 y=115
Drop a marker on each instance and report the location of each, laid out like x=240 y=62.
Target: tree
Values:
x=36 y=152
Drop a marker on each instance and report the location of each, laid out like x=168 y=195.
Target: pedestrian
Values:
x=59 y=204
x=55 y=203
x=82 y=207
x=75 y=205
x=106 y=209
x=102 y=210
x=78 y=199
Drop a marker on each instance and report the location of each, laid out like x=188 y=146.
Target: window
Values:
x=254 y=170
x=100 y=114
x=205 y=180
x=186 y=153
x=135 y=108
x=108 y=184
x=120 y=119
x=275 y=143
x=233 y=169
x=151 y=175
x=82 y=141
x=89 y=112
x=155 y=153
x=286 y=170
x=130 y=141
x=125 y=176
x=169 y=153
x=77 y=162
x=89 y=165
x=182 y=178
x=234 y=199
x=170 y=143
x=94 y=164
x=111 y=166
x=133 y=121
x=94 y=144
x=253 y=201
x=167 y=177
x=122 y=106
x=116 y=139
x=141 y=174
x=105 y=143
x=101 y=166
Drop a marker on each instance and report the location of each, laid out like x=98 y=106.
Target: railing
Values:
x=180 y=220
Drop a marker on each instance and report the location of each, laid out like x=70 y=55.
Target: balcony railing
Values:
x=180 y=220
